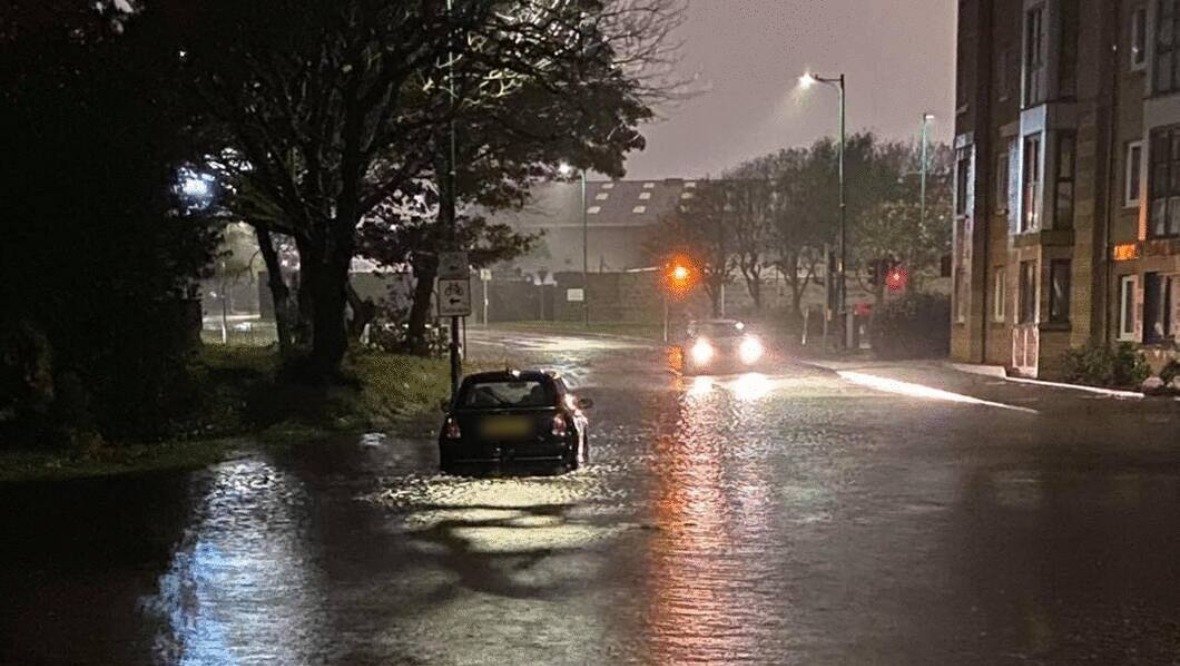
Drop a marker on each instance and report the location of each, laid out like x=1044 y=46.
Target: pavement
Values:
x=798 y=515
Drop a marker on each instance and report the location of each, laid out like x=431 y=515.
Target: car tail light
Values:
x=452 y=429
x=560 y=427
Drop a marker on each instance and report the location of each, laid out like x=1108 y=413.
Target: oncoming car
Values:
x=719 y=345
x=514 y=417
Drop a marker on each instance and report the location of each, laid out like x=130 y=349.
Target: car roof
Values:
x=511 y=376
x=717 y=322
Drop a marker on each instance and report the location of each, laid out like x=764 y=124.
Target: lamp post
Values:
x=566 y=170
x=926 y=118
x=807 y=81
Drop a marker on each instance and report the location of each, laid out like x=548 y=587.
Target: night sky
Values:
x=898 y=55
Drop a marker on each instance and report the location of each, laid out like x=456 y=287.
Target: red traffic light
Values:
x=896 y=278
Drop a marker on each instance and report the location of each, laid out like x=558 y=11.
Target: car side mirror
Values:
x=444 y=405
x=585 y=403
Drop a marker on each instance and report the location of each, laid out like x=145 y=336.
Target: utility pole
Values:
x=447 y=204
x=926 y=118
x=585 y=256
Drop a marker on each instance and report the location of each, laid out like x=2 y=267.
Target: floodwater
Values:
x=787 y=517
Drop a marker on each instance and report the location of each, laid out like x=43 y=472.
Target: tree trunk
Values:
x=323 y=279
x=363 y=311
x=425 y=268
x=279 y=291
x=305 y=294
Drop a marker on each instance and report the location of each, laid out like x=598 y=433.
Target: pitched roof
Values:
x=617 y=203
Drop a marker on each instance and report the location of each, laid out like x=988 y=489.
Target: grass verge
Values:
x=245 y=403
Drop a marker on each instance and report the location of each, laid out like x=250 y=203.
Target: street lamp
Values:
x=565 y=170
x=807 y=81
x=926 y=118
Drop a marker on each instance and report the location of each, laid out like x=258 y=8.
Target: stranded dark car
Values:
x=719 y=345
x=514 y=417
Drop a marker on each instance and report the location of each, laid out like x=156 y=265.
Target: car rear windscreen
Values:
x=501 y=394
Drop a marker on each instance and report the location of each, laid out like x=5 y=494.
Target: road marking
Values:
x=919 y=391
x=1078 y=387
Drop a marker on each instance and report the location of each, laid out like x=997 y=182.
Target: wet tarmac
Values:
x=787 y=517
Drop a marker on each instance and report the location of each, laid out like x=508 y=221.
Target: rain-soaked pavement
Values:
x=784 y=518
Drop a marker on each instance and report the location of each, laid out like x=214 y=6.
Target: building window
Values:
x=1067 y=67
x=1004 y=73
x=1059 y=290
x=608 y=186
x=1030 y=203
x=1035 y=48
x=1127 y=307
x=961 y=294
x=644 y=196
x=649 y=186
x=1133 y=178
x=594 y=210
x=962 y=182
x=1028 y=292
x=1139 y=39
x=1066 y=166
x=1157 y=308
x=1164 y=183
x=999 y=294
x=639 y=210
x=1167 y=22
x=687 y=195
x=602 y=196
x=1002 y=183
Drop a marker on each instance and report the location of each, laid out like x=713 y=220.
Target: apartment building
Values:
x=1067 y=225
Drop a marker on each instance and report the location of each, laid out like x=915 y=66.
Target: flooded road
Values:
x=788 y=517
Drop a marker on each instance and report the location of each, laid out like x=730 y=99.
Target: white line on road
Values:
x=919 y=391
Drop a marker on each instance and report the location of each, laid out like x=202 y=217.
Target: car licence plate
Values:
x=506 y=427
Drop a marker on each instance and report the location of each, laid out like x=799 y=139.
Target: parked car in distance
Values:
x=514 y=417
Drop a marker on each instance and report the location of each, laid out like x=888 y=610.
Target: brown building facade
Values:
x=1067 y=226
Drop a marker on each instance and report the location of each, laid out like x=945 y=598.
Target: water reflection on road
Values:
x=243 y=580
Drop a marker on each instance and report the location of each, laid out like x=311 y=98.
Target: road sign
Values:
x=575 y=295
x=454 y=297
x=485 y=274
x=453 y=265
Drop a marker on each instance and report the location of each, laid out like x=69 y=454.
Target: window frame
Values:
x=1060 y=304
x=1027 y=310
x=1138 y=39
x=999 y=295
x=1035 y=64
x=1133 y=173
x=1031 y=183
x=1167 y=14
x=1127 y=308
x=1065 y=180
x=1166 y=168
x=1161 y=285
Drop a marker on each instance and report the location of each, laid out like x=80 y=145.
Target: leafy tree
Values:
x=99 y=255
x=698 y=229
x=332 y=109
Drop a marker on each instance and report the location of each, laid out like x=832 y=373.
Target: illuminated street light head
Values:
x=565 y=169
x=680 y=274
x=927 y=116
x=807 y=80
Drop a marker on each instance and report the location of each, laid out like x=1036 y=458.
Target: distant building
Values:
x=1067 y=227
x=619 y=218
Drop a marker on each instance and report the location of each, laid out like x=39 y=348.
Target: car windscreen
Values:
x=719 y=330
x=506 y=394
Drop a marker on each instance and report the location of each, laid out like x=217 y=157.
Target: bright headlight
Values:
x=702 y=352
x=750 y=350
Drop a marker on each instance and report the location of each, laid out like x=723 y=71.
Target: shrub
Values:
x=1101 y=365
x=915 y=326
x=1170 y=372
